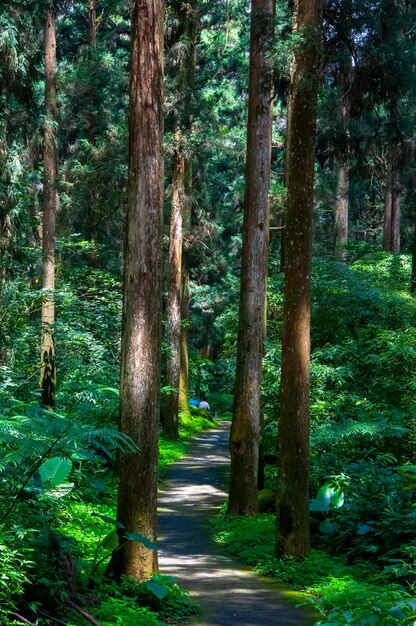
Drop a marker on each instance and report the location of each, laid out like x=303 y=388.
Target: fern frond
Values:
x=329 y=433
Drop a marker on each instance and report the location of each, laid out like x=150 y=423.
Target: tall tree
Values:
x=185 y=15
x=341 y=206
x=391 y=230
x=293 y=536
x=185 y=298
x=245 y=429
x=92 y=224
x=50 y=195
x=141 y=330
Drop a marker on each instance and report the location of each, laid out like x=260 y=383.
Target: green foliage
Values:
x=119 y=609
x=344 y=594
x=162 y=595
x=14 y=576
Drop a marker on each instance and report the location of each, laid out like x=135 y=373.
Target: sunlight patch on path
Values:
x=228 y=593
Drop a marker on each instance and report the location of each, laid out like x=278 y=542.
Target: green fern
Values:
x=330 y=433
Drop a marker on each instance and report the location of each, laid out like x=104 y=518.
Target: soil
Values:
x=227 y=592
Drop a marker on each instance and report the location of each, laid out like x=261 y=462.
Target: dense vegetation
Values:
x=362 y=567
x=59 y=464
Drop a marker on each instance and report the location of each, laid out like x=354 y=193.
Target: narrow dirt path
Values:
x=228 y=592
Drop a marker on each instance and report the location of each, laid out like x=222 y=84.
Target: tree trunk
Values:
x=341 y=207
x=142 y=296
x=5 y=245
x=341 y=211
x=184 y=364
x=181 y=208
x=92 y=222
x=173 y=330
x=92 y=24
x=245 y=429
x=293 y=537
x=413 y=274
x=50 y=200
x=185 y=295
x=392 y=206
x=387 y=209
x=395 y=211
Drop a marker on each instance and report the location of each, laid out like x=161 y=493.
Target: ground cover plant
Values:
x=58 y=468
x=363 y=509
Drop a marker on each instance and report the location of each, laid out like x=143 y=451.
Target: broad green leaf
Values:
x=141 y=539
x=158 y=590
x=110 y=541
x=109 y=520
x=55 y=471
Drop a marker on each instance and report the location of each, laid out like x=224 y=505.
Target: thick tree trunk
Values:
x=50 y=200
x=341 y=211
x=142 y=303
x=245 y=429
x=173 y=329
x=293 y=537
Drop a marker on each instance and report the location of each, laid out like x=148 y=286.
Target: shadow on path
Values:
x=228 y=592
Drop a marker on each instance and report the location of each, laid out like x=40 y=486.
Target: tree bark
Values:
x=293 y=537
x=92 y=222
x=387 y=209
x=245 y=429
x=5 y=245
x=342 y=207
x=341 y=211
x=185 y=295
x=173 y=329
x=395 y=211
x=413 y=274
x=181 y=191
x=142 y=296
x=92 y=23
x=391 y=231
x=50 y=200
x=184 y=357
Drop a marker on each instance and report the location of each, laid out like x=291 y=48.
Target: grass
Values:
x=342 y=593
x=88 y=523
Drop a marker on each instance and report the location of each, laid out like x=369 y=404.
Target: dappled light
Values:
x=228 y=592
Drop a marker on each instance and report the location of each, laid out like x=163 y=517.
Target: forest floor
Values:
x=227 y=592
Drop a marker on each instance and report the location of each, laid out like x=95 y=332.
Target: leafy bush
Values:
x=161 y=595
x=14 y=576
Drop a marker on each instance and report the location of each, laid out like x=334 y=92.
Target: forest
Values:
x=207 y=200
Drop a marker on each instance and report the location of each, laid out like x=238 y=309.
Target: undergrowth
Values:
x=342 y=593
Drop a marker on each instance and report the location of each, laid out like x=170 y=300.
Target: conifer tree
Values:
x=142 y=296
x=178 y=291
x=50 y=205
x=293 y=453
x=245 y=429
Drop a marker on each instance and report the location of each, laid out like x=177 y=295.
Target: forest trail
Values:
x=228 y=592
